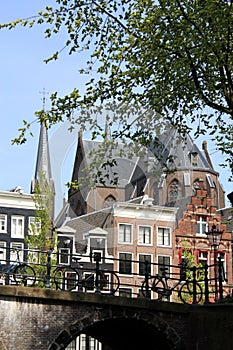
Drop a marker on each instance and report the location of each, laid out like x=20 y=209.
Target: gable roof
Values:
x=180 y=149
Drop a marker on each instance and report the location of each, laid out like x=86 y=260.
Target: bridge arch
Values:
x=121 y=329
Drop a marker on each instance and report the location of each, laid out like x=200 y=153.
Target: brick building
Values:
x=191 y=194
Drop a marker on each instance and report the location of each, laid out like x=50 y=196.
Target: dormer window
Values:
x=194 y=158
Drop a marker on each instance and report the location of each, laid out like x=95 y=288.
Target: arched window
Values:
x=108 y=202
x=174 y=191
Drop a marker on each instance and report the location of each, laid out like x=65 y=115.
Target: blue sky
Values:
x=24 y=75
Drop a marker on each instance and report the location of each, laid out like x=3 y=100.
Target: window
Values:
x=210 y=181
x=89 y=281
x=2 y=252
x=164 y=236
x=17 y=226
x=194 y=158
x=13 y=251
x=174 y=191
x=164 y=262
x=72 y=345
x=201 y=225
x=109 y=201
x=64 y=256
x=187 y=179
x=125 y=263
x=161 y=181
x=223 y=260
x=125 y=292
x=202 y=258
x=34 y=225
x=144 y=235
x=3 y=223
x=85 y=342
x=125 y=233
x=142 y=259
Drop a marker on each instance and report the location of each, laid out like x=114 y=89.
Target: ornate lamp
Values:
x=215 y=236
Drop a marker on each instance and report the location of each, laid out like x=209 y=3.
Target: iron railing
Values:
x=108 y=275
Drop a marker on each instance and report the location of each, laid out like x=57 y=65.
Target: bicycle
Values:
x=189 y=291
x=22 y=273
x=69 y=277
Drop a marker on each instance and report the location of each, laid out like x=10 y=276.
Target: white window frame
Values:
x=62 y=255
x=3 y=250
x=124 y=240
x=126 y=274
x=161 y=244
x=16 y=246
x=203 y=224
x=3 y=224
x=151 y=262
x=144 y=234
x=169 y=271
x=16 y=234
x=202 y=259
x=36 y=224
x=98 y=251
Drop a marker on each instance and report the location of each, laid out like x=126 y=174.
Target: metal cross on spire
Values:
x=44 y=93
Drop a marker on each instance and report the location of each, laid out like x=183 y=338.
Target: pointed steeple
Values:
x=43 y=173
x=43 y=165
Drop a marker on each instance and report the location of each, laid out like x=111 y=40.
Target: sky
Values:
x=23 y=79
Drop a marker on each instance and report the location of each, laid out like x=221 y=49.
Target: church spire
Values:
x=43 y=165
x=43 y=170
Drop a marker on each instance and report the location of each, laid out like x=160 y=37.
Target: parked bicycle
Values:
x=188 y=292
x=20 y=272
x=72 y=277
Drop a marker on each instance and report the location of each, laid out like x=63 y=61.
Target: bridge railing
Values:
x=108 y=275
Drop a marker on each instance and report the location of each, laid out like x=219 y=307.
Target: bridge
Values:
x=36 y=318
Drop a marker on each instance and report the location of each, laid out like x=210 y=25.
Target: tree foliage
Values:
x=173 y=58
x=41 y=238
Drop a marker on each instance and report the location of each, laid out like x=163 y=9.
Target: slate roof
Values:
x=125 y=167
x=85 y=223
x=171 y=144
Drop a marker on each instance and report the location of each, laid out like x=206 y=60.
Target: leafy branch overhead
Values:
x=173 y=58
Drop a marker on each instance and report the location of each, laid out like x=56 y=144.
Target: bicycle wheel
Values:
x=186 y=293
x=65 y=278
x=113 y=283
x=155 y=285
x=24 y=275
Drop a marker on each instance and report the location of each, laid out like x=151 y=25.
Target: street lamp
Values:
x=215 y=236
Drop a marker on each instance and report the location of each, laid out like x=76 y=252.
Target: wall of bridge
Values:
x=33 y=318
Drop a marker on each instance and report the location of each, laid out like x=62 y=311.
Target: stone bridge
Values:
x=33 y=318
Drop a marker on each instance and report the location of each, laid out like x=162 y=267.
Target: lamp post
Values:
x=215 y=236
